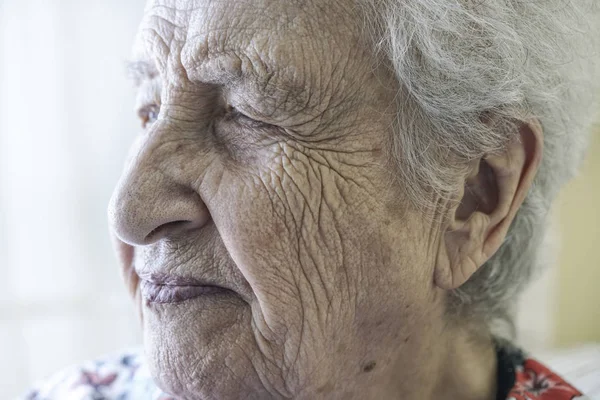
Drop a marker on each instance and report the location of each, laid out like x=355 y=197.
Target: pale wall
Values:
x=578 y=307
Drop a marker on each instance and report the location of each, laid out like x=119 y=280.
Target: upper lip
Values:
x=167 y=279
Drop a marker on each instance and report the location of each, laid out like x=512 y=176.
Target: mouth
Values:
x=166 y=289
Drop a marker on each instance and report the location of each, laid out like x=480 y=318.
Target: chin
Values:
x=202 y=348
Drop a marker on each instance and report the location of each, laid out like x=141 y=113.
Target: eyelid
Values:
x=251 y=122
x=236 y=113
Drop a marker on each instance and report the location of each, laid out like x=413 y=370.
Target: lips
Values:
x=165 y=289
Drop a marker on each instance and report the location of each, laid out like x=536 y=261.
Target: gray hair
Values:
x=471 y=71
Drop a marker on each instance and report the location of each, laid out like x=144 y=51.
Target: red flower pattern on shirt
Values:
x=533 y=381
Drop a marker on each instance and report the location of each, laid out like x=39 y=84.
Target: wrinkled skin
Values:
x=265 y=172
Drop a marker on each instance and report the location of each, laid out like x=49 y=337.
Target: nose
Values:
x=151 y=203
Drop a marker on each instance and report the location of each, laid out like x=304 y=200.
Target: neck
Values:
x=452 y=366
x=469 y=369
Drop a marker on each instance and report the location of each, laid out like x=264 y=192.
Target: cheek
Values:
x=324 y=256
x=267 y=220
x=304 y=234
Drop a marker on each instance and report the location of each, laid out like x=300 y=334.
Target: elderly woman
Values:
x=343 y=199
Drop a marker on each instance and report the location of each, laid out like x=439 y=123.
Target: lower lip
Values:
x=165 y=294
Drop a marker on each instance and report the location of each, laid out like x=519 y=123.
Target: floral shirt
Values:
x=126 y=377
x=523 y=378
x=535 y=381
x=121 y=377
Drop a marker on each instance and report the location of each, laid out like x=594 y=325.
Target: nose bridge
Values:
x=155 y=196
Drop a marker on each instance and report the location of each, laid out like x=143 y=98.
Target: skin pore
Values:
x=265 y=172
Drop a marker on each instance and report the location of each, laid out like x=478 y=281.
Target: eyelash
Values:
x=149 y=114
x=233 y=114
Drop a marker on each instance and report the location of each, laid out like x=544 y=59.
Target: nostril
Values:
x=142 y=215
x=167 y=229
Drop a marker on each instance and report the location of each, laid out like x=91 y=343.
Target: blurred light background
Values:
x=66 y=121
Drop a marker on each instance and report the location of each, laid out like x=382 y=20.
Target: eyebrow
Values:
x=141 y=70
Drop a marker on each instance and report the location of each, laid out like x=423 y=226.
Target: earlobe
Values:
x=493 y=193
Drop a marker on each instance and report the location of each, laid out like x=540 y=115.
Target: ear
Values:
x=493 y=193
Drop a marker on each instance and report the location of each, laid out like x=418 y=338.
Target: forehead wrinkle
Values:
x=162 y=35
x=257 y=56
x=212 y=29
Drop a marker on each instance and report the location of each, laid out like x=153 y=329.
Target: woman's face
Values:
x=276 y=255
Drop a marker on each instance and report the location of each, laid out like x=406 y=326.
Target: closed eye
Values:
x=233 y=114
x=148 y=114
